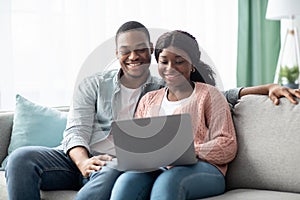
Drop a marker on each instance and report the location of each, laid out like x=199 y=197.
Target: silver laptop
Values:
x=145 y=144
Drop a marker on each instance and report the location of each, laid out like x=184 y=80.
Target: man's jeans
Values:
x=30 y=169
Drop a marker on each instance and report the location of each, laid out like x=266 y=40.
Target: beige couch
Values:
x=267 y=164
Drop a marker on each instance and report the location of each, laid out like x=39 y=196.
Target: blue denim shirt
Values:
x=95 y=104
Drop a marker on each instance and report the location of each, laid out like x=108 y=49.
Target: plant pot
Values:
x=291 y=85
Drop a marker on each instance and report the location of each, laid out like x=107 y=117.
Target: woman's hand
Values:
x=277 y=91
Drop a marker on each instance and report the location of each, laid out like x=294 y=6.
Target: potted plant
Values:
x=288 y=76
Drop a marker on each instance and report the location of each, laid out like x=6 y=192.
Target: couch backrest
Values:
x=268 y=145
x=6 y=122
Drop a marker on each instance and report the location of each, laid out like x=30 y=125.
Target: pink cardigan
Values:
x=214 y=133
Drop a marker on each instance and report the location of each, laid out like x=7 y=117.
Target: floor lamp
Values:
x=287 y=69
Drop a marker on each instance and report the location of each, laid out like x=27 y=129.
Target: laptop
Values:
x=146 y=144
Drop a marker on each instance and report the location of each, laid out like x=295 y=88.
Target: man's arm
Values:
x=79 y=129
x=274 y=91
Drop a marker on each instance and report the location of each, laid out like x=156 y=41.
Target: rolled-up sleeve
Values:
x=81 y=116
x=232 y=95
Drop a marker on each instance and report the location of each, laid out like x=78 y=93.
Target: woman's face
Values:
x=174 y=66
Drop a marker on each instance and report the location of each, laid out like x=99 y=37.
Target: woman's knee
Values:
x=133 y=185
x=127 y=179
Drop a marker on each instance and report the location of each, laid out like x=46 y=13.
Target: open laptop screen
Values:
x=149 y=143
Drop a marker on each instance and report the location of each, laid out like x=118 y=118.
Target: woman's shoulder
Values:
x=203 y=88
x=153 y=96
x=155 y=93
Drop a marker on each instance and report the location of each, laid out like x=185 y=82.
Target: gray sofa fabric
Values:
x=269 y=146
x=267 y=163
x=254 y=194
x=6 y=121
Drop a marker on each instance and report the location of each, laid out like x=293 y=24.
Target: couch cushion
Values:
x=252 y=194
x=45 y=195
x=58 y=194
x=268 y=145
x=35 y=125
x=3 y=192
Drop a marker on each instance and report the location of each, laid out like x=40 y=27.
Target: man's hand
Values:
x=92 y=164
x=277 y=91
x=87 y=165
x=274 y=91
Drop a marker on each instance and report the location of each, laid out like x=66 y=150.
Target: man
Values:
x=79 y=163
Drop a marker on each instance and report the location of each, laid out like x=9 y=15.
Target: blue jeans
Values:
x=134 y=185
x=30 y=169
x=178 y=183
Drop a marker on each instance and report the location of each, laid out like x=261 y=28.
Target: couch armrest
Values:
x=6 y=122
x=268 y=145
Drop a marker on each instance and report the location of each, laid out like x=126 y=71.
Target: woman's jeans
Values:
x=30 y=169
x=178 y=183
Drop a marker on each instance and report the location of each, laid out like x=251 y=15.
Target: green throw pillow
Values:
x=35 y=125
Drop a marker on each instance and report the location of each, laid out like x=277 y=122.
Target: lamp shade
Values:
x=279 y=9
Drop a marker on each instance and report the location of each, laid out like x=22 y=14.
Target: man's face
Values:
x=134 y=53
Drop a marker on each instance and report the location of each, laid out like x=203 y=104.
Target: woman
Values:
x=178 y=57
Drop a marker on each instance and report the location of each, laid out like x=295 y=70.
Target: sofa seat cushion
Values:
x=3 y=192
x=253 y=194
x=58 y=194
x=45 y=195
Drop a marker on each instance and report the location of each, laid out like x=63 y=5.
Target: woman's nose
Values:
x=170 y=66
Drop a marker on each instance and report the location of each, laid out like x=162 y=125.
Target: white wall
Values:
x=44 y=44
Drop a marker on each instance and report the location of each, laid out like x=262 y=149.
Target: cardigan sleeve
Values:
x=150 y=103
x=219 y=145
x=140 y=110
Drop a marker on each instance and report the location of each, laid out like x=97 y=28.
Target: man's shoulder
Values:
x=102 y=76
x=107 y=74
x=157 y=81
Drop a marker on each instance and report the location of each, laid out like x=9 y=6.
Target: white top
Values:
x=168 y=107
x=129 y=99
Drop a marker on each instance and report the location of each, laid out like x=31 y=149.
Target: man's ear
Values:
x=117 y=53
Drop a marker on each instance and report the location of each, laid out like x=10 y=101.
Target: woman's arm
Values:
x=218 y=145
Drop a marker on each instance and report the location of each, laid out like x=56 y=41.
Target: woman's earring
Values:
x=193 y=69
